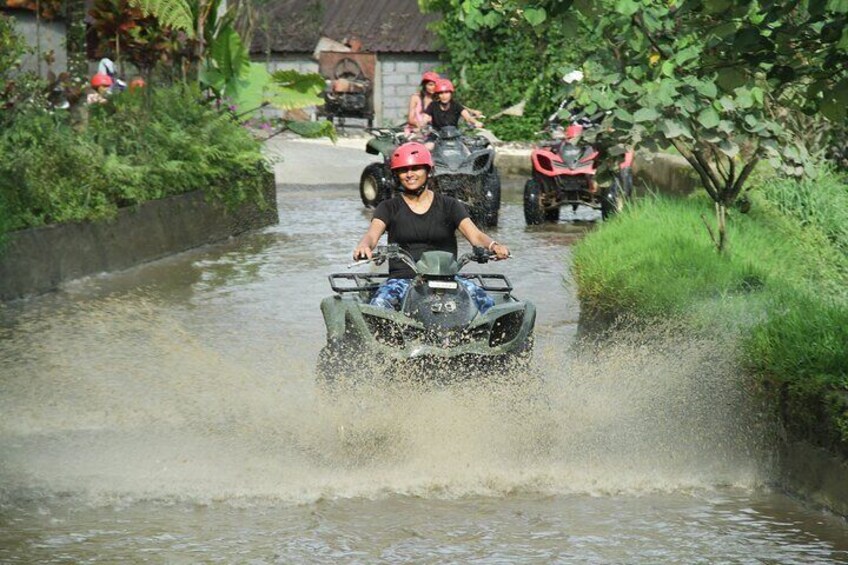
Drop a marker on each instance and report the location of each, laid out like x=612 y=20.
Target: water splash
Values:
x=132 y=401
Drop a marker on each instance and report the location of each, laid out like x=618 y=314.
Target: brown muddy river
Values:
x=168 y=414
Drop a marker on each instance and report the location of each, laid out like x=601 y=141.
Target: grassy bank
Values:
x=782 y=285
x=55 y=169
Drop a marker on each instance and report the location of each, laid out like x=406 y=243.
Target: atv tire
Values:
x=489 y=210
x=533 y=212
x=372 y=185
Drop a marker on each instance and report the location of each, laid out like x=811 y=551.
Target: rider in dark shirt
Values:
x=420 y=220
x=444 y=111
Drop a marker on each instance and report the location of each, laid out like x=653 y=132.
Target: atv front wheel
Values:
x=372 y=185
x=489 y=208
x=533 y=212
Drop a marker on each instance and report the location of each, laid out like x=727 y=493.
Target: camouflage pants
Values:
x=391 y=293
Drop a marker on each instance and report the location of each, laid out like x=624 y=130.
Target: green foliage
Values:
x=175 y=14
x=12 y=46
x=800 y=349
x=127 y=155
x=227 y=63
x=819 y=202
x=229 y=73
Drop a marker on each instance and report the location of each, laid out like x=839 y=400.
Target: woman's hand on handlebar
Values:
x=361 y=252
x=501 y=251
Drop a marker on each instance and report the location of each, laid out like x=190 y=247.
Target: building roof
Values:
x=383 y=26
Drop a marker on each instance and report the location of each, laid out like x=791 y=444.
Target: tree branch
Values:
x=705 y=179
x=743 y=176
x=722 y=172
x=641 y=25
x=716 y=182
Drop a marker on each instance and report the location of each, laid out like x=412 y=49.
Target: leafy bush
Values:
x=130 y=152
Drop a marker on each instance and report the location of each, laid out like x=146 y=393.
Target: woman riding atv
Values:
x=421 y=220
x=416 y=118
x=444 y=111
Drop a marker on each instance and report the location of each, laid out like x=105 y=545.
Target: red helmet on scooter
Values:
x=443 y=85
x=101 y=79
x=411 y=154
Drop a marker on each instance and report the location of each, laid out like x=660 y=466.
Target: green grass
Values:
x=657 y=258
x=781 y=286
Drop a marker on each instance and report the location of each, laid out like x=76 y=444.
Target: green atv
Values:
x=439 y=333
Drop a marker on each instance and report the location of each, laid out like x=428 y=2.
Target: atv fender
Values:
x=334 y=311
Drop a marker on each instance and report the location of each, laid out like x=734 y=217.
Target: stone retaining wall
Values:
x=37 y=260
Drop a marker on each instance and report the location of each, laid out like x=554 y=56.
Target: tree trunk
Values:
x=721 y=214
x=75 y=43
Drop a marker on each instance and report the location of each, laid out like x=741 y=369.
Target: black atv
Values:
x=438 y=333
x=464 y=169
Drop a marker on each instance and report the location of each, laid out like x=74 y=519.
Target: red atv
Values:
x=564 y=174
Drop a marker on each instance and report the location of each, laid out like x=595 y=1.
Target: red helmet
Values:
x=101 y=79
x=573 y=131
x=430 y=76
x=411 y=154
x=443 y=85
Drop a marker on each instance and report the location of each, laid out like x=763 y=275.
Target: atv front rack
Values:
x=357 y=282
x=369 y=282
x=490 y=282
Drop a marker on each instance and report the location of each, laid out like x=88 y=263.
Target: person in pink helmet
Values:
x=416 y=118
x=420 y=220
x=445 y=111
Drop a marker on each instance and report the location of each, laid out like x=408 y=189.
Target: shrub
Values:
x=131 y=151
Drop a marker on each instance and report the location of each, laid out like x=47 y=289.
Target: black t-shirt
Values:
x=442 y=118
x=434 y=230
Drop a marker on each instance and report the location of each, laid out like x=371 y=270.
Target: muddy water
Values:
x=168 y=414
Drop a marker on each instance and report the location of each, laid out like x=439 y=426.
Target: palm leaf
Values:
x=176 y=14
x=259 y=86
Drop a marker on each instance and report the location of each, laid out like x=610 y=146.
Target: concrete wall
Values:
x=815 y=475
x=37 y=260
x=52 y=37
